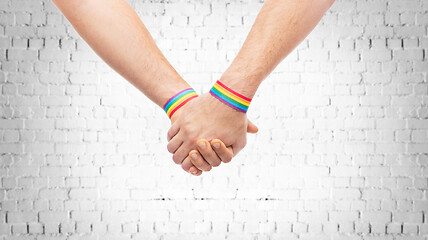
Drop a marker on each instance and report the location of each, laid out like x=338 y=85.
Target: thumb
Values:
x=251 y=128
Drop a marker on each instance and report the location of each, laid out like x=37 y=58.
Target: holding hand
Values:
x=207 y=117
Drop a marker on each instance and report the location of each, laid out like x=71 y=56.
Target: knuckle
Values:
x=177 y=159
x=170 y=133
x=190 y=135
x=169 y=148
x=205 y=152
x=222 y=150
x=185 y=167
x=193 y=138
x=186 y=130
x=199 y=163
x=194 y=161
x=216 y=164
x=227 y=159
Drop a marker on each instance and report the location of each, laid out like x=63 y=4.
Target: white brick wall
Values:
x=342 y=151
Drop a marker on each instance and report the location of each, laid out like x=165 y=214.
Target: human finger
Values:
x=223 y=152
x=198 y=161
x=188 y=166
x=174 y=143
x=204 y=148
x=173 y=130
x=181 y=153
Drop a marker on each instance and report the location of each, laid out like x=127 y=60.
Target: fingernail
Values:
x=194 y=156
x=216 y=145
x=194 y=171
x=201 y=145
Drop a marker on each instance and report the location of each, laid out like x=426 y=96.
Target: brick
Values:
x=53 y=194
x=377 y=216
x=19 y=228
x=39 y=124
x=418 y=124
x=83 y=193
x=51 y=31
x=7 y=19
x=51 y=216
x=374 y=101
x=85 y=101
x=51 y=227
x=21 y=217
x=26 y=5
x=376 y=194
x=408 y=54
x=359 y=123
x=24 y=171
x=35 y=228
x=83 y=79
x=11 y=148
x=378 y=31
x=92 y=216
x=10 y=124
x=55 y=101
x=376 y=55
x=346 y=194
x=54 y=55
x=408 y=217
x=55 y=171
x=374 y=171
x=346 y=79
x=17 y=54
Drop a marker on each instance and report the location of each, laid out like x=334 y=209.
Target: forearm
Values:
x=117 y=35
x=279 y=27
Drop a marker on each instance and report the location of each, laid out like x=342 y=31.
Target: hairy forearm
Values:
x=279 y=27
x=117 y=35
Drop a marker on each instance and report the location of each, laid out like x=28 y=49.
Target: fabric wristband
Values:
x=178 y=100
x=230 y=97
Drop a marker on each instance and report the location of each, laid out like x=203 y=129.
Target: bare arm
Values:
x=279 y=27
x=117 y=35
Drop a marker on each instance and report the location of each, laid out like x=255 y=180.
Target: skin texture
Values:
x=125 y=44
x=279 y=27
x=213 y=153
x=132 y=53
x=231 y=128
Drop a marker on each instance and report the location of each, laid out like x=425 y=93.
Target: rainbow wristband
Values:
x=230 y=97
x=178 y=100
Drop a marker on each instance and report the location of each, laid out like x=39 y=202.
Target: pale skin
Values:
x=279 y=27
x=124 y=43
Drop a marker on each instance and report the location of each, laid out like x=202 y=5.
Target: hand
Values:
x=207 y=153
x=225 y=153
x=207 y=117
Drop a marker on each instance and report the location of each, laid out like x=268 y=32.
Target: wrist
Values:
x=244 y=84
x=177 y=114
x=166 y=93
x=230 y=97
x=178 y=101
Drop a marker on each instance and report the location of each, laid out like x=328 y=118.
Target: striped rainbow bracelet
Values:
x=230 y=97
x=178 y=100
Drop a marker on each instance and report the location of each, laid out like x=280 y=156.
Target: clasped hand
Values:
x=206 y=132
